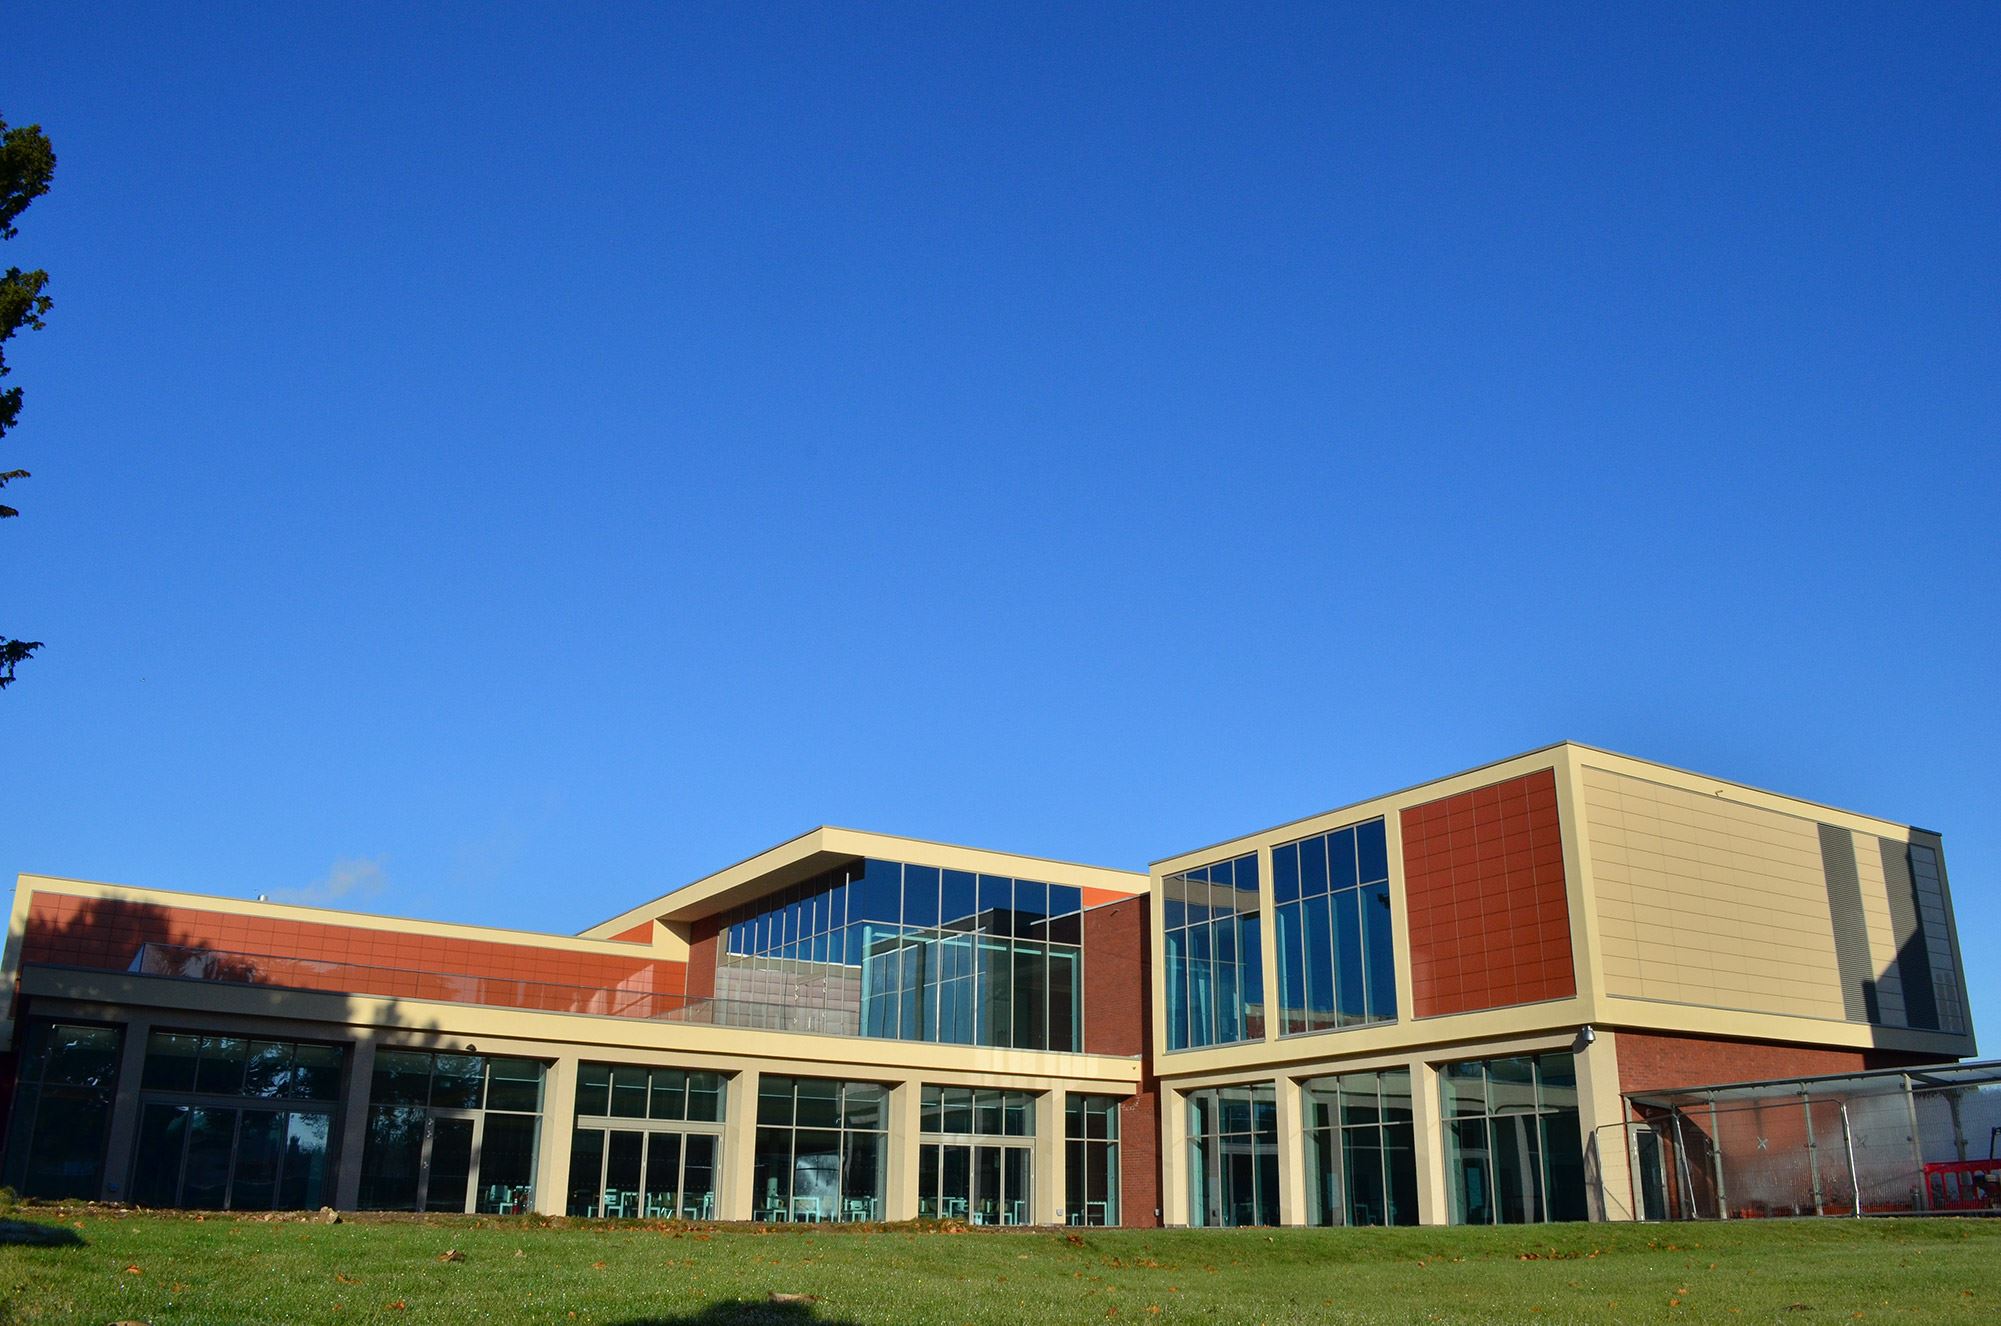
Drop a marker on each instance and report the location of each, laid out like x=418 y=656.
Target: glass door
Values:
x=448 y=1161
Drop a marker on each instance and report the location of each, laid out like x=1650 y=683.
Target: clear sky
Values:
x=501 y=462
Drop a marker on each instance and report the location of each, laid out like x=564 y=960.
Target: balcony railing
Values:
x=271 y=971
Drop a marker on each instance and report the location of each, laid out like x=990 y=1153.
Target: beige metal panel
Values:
x=1715 y=902
x=1228 y=1063
x=1882 y=930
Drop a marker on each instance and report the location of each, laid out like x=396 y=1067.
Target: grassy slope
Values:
x=245 y=1270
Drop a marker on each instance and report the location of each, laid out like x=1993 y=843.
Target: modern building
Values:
x=1463 y=1002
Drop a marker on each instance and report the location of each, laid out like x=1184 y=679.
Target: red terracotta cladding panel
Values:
x=1488 y=909
x=1117 y=993
x=107 y=933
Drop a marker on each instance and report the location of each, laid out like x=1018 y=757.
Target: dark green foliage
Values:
x=27 y=164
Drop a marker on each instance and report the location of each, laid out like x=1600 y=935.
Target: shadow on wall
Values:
x=742 y=1313
x=107 y=934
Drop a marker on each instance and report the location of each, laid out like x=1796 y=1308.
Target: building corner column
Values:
x=1601 y=1114
x=354 y=1121
x=739 y=1159
x=124 y=1123
x=1051 y=1181
x=1173 y=1157
x=1427 y=1116
x=899 y=1198
x=1291 y=1152
x=559 y=1122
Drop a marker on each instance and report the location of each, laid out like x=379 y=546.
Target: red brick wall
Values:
x=106 y=933
x=704 y=947
x=1118 y=1013
x=1488 y=914
x=1139 y=1159
x=1660 y=1061
x=1117 y=985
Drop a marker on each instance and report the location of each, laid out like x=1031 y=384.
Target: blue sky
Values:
x=499 y=463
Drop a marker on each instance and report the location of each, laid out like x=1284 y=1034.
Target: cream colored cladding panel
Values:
x=1882 y=932
x=1703 y=900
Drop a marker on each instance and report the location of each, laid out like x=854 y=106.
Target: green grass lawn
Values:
x=87 y=1264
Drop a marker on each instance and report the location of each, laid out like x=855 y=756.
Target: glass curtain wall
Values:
x=230 y=1123
x=1336 y=958
x=1091 y=1160
x=68 y=1074
x=1362 y=1149
x=820 y=1149
x=1233 y=1155
x=1513 y=1146
x=976 y=1158
x=451 y=1132
x=911 y=953
x=1215 y=954
x=646 y=1144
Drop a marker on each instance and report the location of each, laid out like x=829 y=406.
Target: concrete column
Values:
x=124 y=1125
x=1433 y=1204
x=354 y=1120
x=1601 y=1113
x=899 y=1198
x=559 y=1122
x=1173 y=1157
x=734 y=1199
x=1292 y=1208
x=1050 y=1157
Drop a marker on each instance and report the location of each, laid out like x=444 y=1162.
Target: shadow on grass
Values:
x=27 y=1234
x=743 y=1313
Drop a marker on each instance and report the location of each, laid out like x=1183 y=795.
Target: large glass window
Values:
x=1514 y=1152
x=911 y=952
x=1215 y=955
x=451 y=1132
x=1233 y=1155
x=62 y=1105
x=202 y=1145
x=820 y=1149
x=1336 y=957
x=1362 y=1149
x=1091 y=1160
x=976 y=1161
x=647 y=1143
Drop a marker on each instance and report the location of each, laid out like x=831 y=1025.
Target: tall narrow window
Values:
x=647 y=1142
x=1514 y=1151
x=62 y=1107
x=819 y=1150
x=1215 y=954
x=1091 y=1160
x=1362 y=1149
x=1336 y=951
x=1233 y=1156
x=451 y=1132
x=976 y=1156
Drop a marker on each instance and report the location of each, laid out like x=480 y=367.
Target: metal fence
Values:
x=1895 y=1142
